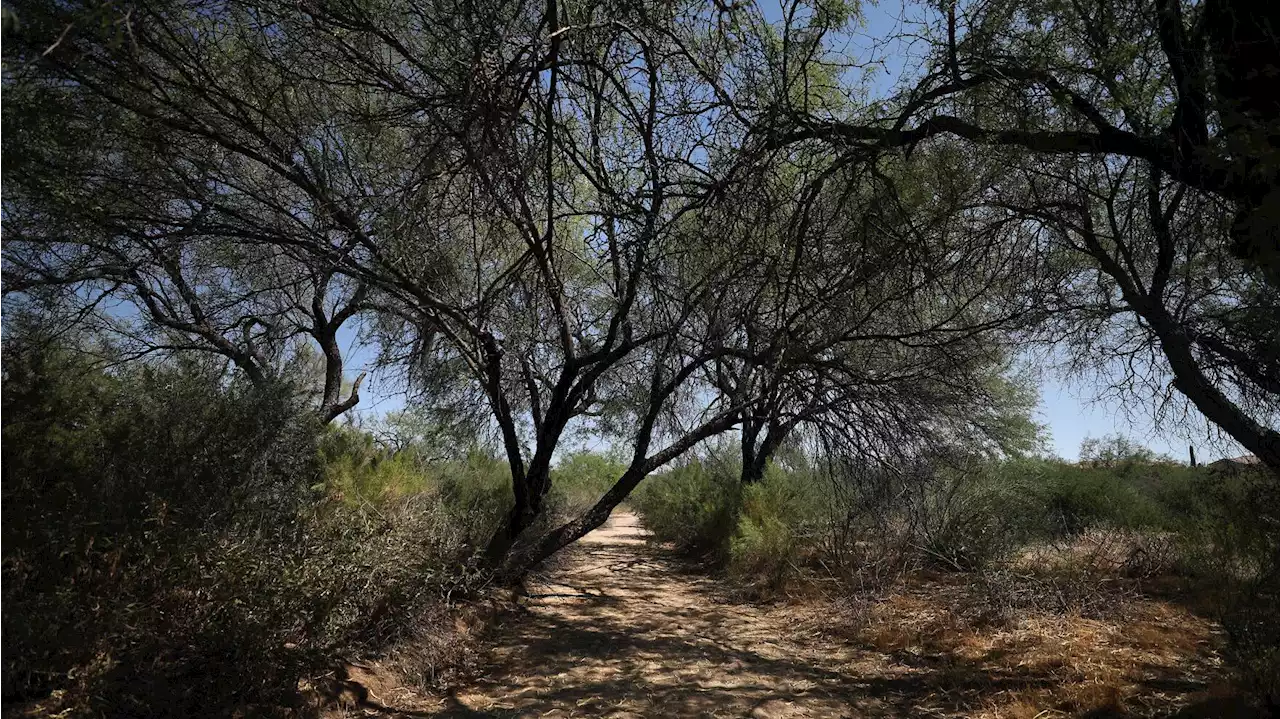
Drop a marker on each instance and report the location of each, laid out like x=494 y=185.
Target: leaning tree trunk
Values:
x=519 y=563
x=1262 y=441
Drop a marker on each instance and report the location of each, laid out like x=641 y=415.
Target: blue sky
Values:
x=1072 y=415
x=1069 y=410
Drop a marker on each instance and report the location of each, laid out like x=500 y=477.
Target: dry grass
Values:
x=1113 y=552
x=445 y=647
x=1131 y=655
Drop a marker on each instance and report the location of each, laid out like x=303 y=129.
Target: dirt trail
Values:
x=621 y=631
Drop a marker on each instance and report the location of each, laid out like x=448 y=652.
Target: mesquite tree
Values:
x=1189 y=88
x=1183 y=98
x=1150 y=299
x=547 y=208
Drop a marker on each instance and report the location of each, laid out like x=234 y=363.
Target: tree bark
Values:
x=756 y=461
x=516 y=566
x=1262 y=441
x=1176 y=346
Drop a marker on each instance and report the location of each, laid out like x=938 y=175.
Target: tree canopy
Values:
x=654 y=222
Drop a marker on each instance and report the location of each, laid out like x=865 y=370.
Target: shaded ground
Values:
x=622 y=631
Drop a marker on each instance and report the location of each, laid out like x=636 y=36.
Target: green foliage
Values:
x=168 y=550
x=356 y=470
x=969 y=518
x=477 y=490
x=582 y=477
x=780 y=519
x=127 y=499
x=693 y=506
x=1229 y=532
x=957 y=513
x=761 y=533
x=1077 y=500
x=1114 y=451
x=1008 y=423
x=1073 y=498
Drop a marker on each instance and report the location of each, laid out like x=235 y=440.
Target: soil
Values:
x=624 y=631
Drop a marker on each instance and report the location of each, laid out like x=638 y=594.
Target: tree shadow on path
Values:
x=622 y=632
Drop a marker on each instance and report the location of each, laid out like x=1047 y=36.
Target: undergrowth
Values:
x=1038 y=535
x=177 y=545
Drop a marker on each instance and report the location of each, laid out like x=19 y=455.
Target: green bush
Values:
x=583 y=477
x=1083 y=498
x=129 y=500
x=693 y=506
x=176 y=544
x=762 y=533
x=357 y=471
x=477 y=492
x=778 y=527
x=1231 y=551
x=1063 y=500
x=965 y=514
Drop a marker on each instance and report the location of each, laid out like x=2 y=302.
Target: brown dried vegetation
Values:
x=625 y=631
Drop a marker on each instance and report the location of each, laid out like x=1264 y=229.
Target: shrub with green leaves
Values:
x=693 y=506
x=131 y=500
x=1076 y=499
x=968 y=519
x=582 y=478
x=356 y=470
x=1230 y=544
x=778 y=526
x=178 y=544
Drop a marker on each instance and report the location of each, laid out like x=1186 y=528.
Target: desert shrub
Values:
x=1006 y=595
x=1087 y=498
x=966 y=516
x=119 y=491
x=171 y=547
x=763 y=552
x=476 y=490
x=693 y=506
x=869 y=541
x=1220 y=532
x=761 y=533
x=966 y=513
x=582 y=478
x=1252 y=622
x=357 y=470
x=779 y=524
x=1184 y=496
x=1230 y=551
x=1062 y=500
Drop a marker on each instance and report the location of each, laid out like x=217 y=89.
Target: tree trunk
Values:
x=756 y=462
x=504 y=538
x=518 y=565
x=526 y=510
x=750 y=435
x=1245 y=53
x=1262 y=441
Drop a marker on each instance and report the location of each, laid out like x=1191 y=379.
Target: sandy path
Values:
x=621 y=631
